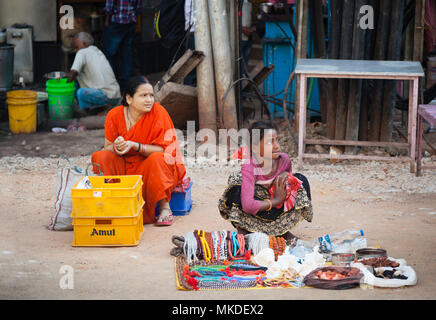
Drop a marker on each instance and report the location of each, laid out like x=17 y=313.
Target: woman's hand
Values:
x=122 y=146
x=127 y=145
x=120 y=143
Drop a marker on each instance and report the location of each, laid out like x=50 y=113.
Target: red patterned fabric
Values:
x=292 y=186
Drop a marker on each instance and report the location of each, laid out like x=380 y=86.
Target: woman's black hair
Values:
x=132 y=85
x=262 y=125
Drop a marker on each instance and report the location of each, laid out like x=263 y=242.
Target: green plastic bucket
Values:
x=60 y=99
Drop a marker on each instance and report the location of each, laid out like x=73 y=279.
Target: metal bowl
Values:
x=368 y=253
x=55 y=75
x=342 y=259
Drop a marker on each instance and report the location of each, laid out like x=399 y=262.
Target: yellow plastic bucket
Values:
x=22 y=110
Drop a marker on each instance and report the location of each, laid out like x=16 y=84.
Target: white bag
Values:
x=67 y=178
x=372 y=280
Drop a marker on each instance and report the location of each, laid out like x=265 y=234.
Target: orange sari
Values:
x=161 y=171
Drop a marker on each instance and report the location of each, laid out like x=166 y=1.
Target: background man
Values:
x=98 y=86
x=120 y=27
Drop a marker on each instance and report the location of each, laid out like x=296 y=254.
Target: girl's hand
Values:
x=280 y=188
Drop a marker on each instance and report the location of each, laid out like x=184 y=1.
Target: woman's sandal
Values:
x=165 y=221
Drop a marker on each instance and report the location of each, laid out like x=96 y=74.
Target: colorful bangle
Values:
x=270 y=204
x=115 y=149
x=139 y=147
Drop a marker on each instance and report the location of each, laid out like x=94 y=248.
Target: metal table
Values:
x=359 y=69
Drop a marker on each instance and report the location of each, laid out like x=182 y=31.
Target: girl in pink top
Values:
x=264 y=196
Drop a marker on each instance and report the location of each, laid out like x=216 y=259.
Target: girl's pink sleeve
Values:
x=249 y=204
x=286 y=163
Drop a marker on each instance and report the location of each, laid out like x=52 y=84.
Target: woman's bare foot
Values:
x=165 y=218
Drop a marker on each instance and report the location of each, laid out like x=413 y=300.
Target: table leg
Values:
x=413 y=107
x=302 y=121
x=419 y=158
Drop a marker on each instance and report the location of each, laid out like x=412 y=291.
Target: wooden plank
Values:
x=353 y=157
x=302 y=121
x=428 y=112
x=180 y=101
x=370 y=36
x=354 y=98
x=348 y=67
x=394 y=51
x=345 y=53
x=333 y=53
x=418 y=37
x=413 y=114
x=301 y=50
x=258 y=75
x=399 y=77
x=357 y=143
x=380 y=54
x=318 y=35
x=181 y=68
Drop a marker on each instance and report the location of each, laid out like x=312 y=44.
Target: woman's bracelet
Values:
x=139 y=147
x=270 y=204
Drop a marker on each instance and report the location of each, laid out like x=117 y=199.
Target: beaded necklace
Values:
x=206 y=249
x=257 y=241
x=190 y=247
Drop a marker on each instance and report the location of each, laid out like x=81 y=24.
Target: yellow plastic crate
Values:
x=104 y=231
x=110 y=196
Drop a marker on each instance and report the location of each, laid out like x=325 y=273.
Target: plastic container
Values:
x=180 y=203
x=110 y=196
x=329 y=241
x=103 y=231
x=60 y=99
x=22 y=110
x=301 y=249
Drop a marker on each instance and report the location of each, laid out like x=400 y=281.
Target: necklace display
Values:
x=221 y=260
x=215 y=246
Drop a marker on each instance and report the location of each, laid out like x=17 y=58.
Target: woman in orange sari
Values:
x=140 y=139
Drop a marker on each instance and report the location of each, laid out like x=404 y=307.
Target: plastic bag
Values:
x=353 y=278
x=68 y=175
x=370 y=279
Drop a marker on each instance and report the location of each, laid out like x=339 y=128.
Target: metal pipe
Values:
x=205 y=70
x=222 y=62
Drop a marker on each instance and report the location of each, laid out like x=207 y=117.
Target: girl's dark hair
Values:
x=262 y=125
x=132 y=85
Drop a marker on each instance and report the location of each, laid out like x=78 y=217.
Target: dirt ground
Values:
x=396 y=210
